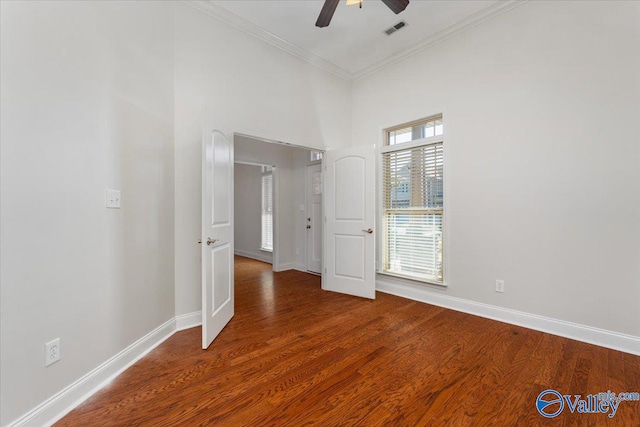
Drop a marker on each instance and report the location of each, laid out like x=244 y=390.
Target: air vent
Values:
x=395 y=28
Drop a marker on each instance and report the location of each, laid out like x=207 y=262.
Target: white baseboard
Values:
x=284 y=266
x=254 y=255
x=588 y=334
x=303 y=268
x=189 y=320
x=60 y=404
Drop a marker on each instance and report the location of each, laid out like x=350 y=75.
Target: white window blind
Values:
x=267 y=212
x=413 y=209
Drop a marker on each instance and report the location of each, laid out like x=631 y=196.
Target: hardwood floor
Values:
x=295 y=355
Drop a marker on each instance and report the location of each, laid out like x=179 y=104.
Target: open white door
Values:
x=217 y=233
x=349 y=238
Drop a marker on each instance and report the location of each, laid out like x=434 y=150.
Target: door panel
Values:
x=221 y=209
x=349 y=198
x=217 y=233
x=348 y=249
x=221 y=274
x=350 y=219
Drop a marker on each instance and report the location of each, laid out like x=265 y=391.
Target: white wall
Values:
x=541 y=112
x=250 y=87
x=247 y=223
x=87 y=104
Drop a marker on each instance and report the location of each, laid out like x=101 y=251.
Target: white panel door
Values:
x=349 y=238
x=217 y=233
x=314 y=218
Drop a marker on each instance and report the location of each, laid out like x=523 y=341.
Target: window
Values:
x=267 y=209
x=426 y=129
x=412 y=199
x=315 y=155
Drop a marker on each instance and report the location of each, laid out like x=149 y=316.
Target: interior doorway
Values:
x=296 y=204
x=254 y=211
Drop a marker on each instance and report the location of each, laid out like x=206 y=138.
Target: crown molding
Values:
x=254 y=30
x=439 y=37
x=222 y=14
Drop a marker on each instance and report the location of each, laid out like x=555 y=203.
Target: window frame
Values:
x=386 y=148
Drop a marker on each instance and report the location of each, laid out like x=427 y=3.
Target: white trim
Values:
x=275 y=183
x=254 y=255
x=413 y=279
x=584 y=333
x=258 y=32
x=284 y=266
x=222 y=14
x=276 y=141
x=61 y=403
x=422 y=142
x=466 y=24
x=242 y=162
x=189 y=320
x=306 y=212
x=303 y=269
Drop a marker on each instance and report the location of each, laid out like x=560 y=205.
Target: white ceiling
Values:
x=354 y=41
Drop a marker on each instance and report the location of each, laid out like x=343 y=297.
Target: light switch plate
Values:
x=113 y=199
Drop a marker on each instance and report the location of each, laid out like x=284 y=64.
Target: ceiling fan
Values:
x=329 y=8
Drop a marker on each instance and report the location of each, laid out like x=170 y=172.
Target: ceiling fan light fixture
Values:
x=329 y=8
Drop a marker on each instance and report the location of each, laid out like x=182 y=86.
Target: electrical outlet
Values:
x=52 y=352
x=499 y=285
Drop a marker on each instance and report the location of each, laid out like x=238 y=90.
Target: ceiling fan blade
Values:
x=396 y=6
x=327 y=13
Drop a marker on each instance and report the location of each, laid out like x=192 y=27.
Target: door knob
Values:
x=369 y=230
x=211 y=241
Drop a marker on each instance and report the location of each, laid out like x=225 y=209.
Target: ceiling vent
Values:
x=395 y=28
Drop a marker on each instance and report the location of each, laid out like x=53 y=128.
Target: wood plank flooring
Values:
x=295 y=355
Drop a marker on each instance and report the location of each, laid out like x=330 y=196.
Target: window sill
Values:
x=413 y=280
x=266 y=250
